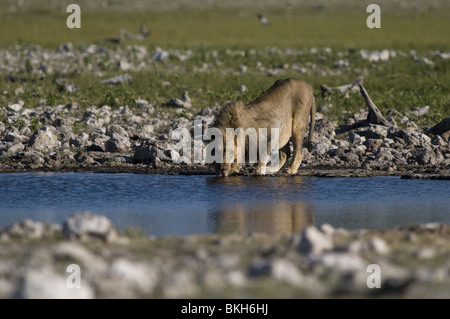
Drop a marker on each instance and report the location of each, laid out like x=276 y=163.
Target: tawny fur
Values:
x=287 y=105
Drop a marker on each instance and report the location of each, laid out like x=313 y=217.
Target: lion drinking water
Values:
x=285 y=106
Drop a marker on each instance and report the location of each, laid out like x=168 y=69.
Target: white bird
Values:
x=263 y=19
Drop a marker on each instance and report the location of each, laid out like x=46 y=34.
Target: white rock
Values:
x=379 y=245
x=142 y=103
x=235 y=278
x=420 y=111
x=425 y=253
x=314 y=241
x=136 y=274
x=185 y=97
x=147 y=129
x=117 y=79
x=320 y=149
x=16 y=107
x=124 y=65
x=81 y=255
x=117 y=144
x=341 y=63
x=159 y=55
x=179 y=103
x=115 y=129
x=355 y=247
x=375 y=56
x=27 y=228
x=15 y=138
x=343 y=262
x=86 y=225
x=46 y=284
x=242 y=68
x=43 y=140
x=287 y=272
x=6 y=287
x=327 y=229
x=242 y=88
x=444 y=55
x=14 y=149
x=80 y=140
x=179 y=284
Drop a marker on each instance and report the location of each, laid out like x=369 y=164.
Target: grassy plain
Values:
x=402 y=83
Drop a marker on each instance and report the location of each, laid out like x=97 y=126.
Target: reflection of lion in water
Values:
x=287 y=105
x=279 y=218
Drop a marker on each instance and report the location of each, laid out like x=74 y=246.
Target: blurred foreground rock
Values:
x=38 y=260
x=85 y=226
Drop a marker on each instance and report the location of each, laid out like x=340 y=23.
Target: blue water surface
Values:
x=181 y=205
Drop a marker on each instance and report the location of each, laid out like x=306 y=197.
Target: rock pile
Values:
x=68 y=138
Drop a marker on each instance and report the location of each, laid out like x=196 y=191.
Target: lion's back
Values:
x=283 y=95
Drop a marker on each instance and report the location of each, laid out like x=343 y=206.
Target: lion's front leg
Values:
x=261 y=169
x=235 y=168
x=283 y=155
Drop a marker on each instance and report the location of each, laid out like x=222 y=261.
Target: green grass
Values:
x=303 y=26
x=399 y=84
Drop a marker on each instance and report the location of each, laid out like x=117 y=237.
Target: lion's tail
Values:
x=311 y=125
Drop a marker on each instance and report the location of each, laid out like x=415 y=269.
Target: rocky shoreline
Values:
x=68 y=138
x=37 y=260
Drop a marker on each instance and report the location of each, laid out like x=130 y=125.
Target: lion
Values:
x=286 y=105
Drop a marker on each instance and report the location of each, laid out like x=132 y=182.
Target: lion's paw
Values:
x=261 y=170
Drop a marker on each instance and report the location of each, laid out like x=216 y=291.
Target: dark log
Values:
x=142 y=35
x=343 y=89
x=442 y=129
x=374 y=116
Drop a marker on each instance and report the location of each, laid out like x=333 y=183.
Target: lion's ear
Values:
x=238 y=107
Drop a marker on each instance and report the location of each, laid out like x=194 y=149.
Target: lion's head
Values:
x=228 y=118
